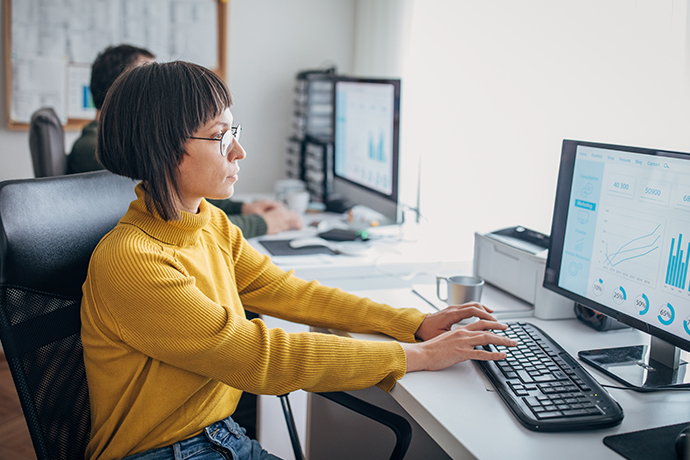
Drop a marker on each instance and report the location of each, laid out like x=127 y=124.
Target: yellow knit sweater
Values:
x=168 y=349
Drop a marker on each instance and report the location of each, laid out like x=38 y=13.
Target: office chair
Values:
x=47 y=143
x=48 y=230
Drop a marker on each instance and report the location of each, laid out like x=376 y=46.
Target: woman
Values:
x=167 y=347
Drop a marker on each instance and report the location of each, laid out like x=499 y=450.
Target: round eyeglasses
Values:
x=225 y=139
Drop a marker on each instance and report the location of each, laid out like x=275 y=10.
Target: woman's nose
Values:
x=236 y=151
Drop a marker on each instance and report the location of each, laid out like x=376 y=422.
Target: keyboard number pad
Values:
x=561 y=404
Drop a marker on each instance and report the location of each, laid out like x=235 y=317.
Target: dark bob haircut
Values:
x=148 y=115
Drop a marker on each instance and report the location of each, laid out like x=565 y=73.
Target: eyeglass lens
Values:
x=226 y=140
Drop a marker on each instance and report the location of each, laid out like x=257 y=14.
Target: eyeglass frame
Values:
x=235 y=132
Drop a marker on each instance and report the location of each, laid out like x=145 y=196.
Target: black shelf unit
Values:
x=310 y=147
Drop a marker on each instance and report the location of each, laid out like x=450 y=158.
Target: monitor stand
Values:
x=643 y=367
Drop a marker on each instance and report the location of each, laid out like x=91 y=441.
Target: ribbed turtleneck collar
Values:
x=182 y=232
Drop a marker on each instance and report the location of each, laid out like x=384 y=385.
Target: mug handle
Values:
x=438 y=288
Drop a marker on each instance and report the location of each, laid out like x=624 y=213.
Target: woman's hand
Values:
x=440 y=322
x=261 y=206
x=456 y=346
x=443 y=347
x=280 y=220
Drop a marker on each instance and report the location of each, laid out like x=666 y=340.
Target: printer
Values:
x=514 y=260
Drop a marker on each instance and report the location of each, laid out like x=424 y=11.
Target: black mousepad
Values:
x=657 y=443
x=282 y=248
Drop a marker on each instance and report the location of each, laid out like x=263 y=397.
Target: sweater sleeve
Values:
x=251 y=225
x=228 y=206
x=152 y=305
x=82 y=158
x=266 y=289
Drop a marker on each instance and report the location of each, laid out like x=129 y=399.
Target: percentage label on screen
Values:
x=598 y=287
x=619 y=295
x=666 y=314
x=642 y=304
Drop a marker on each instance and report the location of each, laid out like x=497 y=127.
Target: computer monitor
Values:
x=366 y=142
x=620 y=245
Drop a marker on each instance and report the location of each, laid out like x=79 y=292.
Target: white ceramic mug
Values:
x=297 y=201
x=461 y=289
x=284 y=187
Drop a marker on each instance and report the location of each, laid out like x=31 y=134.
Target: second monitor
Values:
x=366 y=143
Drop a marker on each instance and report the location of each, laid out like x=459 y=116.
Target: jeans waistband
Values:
x=217 y=434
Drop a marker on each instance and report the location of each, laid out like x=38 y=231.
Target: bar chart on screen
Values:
x=677 y=267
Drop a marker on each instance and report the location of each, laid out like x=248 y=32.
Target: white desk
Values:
x=457 y=407
x=462 y=413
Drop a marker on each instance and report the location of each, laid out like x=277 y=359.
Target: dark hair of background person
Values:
x=109 y=64
x=148 y=115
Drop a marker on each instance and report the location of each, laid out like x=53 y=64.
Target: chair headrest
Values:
x=47 y=143
x=50 y=226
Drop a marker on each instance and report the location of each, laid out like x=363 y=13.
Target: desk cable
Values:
x=647 y=390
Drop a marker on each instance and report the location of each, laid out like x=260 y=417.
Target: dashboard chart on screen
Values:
x=366 y=143
x=624 y=240
x=621 y=243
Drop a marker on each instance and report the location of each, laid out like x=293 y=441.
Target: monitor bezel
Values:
x=559 y=223
x=393 y=196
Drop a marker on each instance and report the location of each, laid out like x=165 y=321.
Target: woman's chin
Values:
x=227 y=194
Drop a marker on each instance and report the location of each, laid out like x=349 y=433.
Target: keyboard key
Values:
x=524 y=376
x=532 y=401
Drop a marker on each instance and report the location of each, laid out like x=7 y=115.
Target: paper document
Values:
x=401 y=298
x=503 y=304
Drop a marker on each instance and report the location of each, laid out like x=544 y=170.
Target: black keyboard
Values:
x=545 y=387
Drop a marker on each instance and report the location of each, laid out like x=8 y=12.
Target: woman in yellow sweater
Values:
x=167 y=346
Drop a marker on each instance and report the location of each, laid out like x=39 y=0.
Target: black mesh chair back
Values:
x=48 y=230
x=47 y=143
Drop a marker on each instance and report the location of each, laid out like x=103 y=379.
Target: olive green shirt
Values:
x=82 y=158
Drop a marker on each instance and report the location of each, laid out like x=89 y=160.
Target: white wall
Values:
x=490 y=90
x=269 y=42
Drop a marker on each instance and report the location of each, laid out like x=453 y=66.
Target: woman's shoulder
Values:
x=123 y=244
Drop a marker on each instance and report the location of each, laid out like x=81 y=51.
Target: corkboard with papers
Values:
x=50 y=46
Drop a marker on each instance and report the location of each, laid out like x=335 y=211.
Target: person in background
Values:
x=254 y=219
x=168 y=349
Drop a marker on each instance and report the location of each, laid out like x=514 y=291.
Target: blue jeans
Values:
x=223 y=440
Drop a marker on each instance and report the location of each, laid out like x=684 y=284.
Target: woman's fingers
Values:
x=483 y=355
x=453 y=347
x=483 y=325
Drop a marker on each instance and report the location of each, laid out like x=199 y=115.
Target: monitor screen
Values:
x=366 y=142
x=620 y=237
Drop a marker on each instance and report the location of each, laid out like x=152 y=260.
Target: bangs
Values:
x=208 y=97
